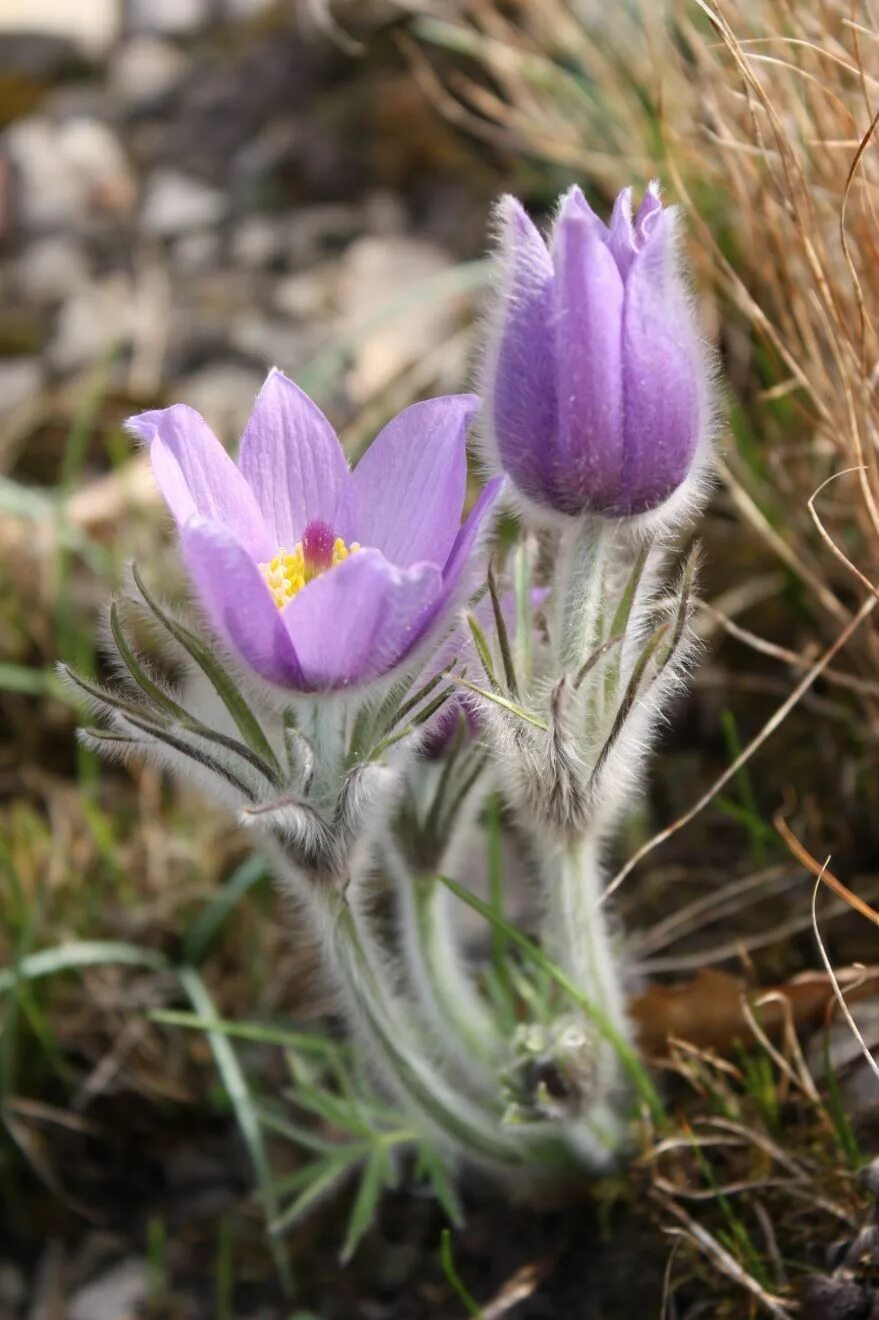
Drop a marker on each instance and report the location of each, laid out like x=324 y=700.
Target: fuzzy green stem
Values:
x=576 y=935
x=464 y=1125
x=579 y=593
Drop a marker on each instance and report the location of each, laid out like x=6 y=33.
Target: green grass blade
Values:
x=454 y=1280
x=201 y=934
x=241 y=1100
x=33 y=682
x=259 y=1034
x=83 y=953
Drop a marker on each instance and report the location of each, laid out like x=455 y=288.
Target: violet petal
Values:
x=589 y=379
x=197 y=477
x=292 y=460
x=622 y=232
x=361 y=618
x=463 y=568
x=238 y=602
x=522 y=418
x=407 y=491
x=661 y=375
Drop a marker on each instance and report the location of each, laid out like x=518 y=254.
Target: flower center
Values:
x=291 y=570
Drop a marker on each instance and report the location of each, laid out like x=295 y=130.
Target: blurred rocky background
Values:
x=193 y=189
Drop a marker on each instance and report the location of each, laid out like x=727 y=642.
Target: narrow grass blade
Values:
x=82 y=953
x=198 y=939
x=454 y=1280
x=241 y=1100
x=32 y=682
x=257 y=1032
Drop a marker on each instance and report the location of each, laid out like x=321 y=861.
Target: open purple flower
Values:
x=319 y=577
x=595 y=383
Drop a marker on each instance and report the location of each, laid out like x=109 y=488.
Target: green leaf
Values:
x=304 y=1137
x=326 y=1176
x=503 y=636
x=102 y=694
x=498 y=700
x=248 y=725
x=480 y=641
x=376 y=1172
x=422 y=717
x=177 y=740
x=431 y=1165
x=524 y=624
x=408 y=706
x=629 y=696
x=541 y=959
x=627 y=599
x=683 y=604
x=597 y=654
x=146 y=684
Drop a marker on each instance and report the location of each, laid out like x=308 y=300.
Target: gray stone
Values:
x=89 y=25
x=20 y=380
x=313 y=228
x=175 y=203
x=116 y=1295
x=271 y=340
x=259 y=241
x=239 y=11
x=224 y=392
x=50 y=270
x=308 y=295
x=96 y=319
x=373 y=275
x=197 y=252
x=67 y=172
x=13 y=1289
x=169 y=18
x=144 y=70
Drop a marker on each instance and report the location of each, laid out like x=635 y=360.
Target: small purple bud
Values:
x=595 y=382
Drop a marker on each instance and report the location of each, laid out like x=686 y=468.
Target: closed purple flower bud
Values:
x=595 y=383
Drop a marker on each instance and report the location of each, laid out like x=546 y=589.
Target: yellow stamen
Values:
x=289 y=571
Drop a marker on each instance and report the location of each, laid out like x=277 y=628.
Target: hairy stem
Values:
x=460 y=1123
x=578 y=593
x=576 y=935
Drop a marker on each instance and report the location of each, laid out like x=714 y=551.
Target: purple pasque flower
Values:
x=595 y=382
x=319 y=577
